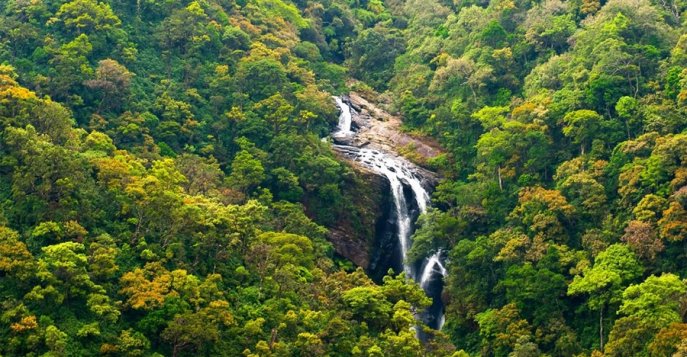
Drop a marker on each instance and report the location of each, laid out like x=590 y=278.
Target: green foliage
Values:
x=87 y=16
x=373 y=53
x=582 y=126
x=261 y=79
x=655 y=301
x=164 y=189
x=613 y=269
x=282 y=9
x=561 y=123
x=246 y=172
x=163 y=186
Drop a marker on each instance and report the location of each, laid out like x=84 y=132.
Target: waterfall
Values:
x=431 y=281
x=345 y=118
x=432 y=267
x=401 y=174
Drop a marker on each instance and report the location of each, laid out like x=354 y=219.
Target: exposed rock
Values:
x=348 y=245
x=384 y=130
x=354 y=236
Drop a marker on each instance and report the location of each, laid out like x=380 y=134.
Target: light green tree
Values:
x=604 y=282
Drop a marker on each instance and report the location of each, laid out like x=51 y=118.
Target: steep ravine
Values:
x=368 y=138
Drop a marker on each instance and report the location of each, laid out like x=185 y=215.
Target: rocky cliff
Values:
x=366 y=233
x=354 y=235
x=378 y=128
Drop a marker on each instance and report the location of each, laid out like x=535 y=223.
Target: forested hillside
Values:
x=566 y=187
x=164 y=189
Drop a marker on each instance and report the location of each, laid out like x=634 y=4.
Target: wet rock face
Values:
x=355 y=237
x=375 y=245
x=386 y=251
x=372 y=128
x=348 y=245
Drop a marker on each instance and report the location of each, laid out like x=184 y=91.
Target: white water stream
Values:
x=432 y=267
x=345 y=118
x=399 y=172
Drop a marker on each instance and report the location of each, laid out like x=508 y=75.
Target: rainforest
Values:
x=343 y=178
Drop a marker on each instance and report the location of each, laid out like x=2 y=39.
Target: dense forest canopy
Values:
x=164 y=189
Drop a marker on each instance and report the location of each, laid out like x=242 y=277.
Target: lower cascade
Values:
x=405 y=180
x=430 y=279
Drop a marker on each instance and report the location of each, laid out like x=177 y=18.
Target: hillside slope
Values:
x=164 y=189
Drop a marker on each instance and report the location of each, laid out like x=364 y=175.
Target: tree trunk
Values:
x=273 y=338
x=601 y=329
x=500 y=179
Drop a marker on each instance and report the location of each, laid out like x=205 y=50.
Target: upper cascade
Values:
x=345 y=118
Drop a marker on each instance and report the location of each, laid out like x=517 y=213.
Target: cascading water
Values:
x=432 y=267
x=401 y=174
x=431 y=281
x=345 y=118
